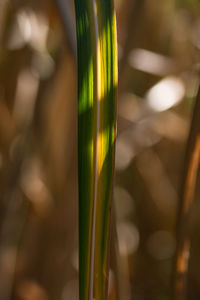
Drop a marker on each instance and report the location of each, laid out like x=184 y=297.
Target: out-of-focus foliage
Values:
x=159 y=54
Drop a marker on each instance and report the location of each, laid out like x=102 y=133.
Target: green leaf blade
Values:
x=106 y=145
x=97 y=73
x=87 y=78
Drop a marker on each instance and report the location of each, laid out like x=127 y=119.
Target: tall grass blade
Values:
x=87 y=136
x=107 y=66
x=97 y=80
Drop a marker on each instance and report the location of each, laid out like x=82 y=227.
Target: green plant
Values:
x=97 y=83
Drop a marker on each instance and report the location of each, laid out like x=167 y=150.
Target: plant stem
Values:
x=186 y=199
x=97 y=81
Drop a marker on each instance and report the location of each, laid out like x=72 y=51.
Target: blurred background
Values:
x=159 y=63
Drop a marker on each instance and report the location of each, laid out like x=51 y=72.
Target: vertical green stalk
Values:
x=87 y=124
x=97 y=81
x=107 y=64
